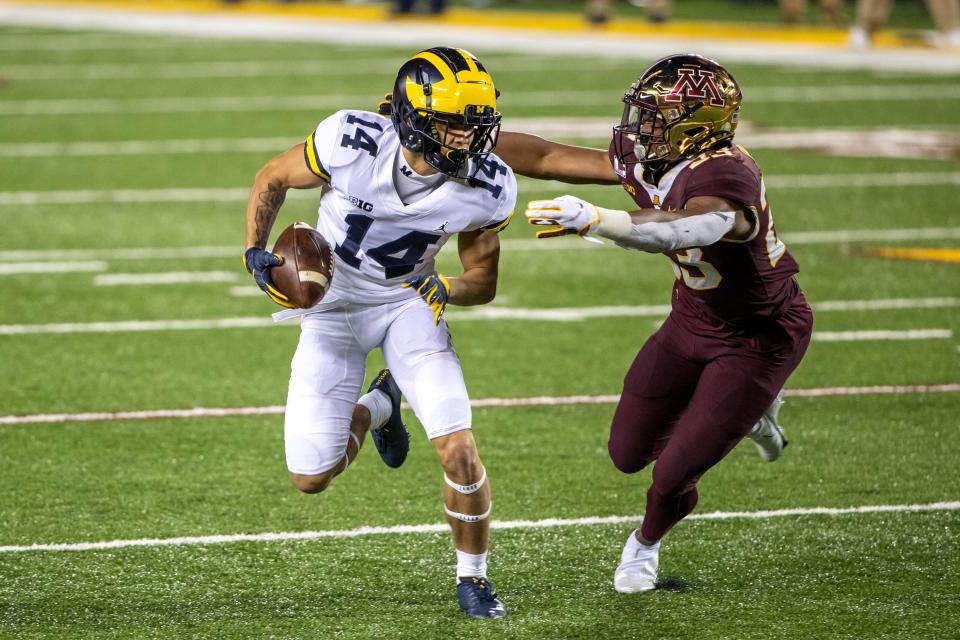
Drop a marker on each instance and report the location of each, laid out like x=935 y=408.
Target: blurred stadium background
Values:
x=144 y=493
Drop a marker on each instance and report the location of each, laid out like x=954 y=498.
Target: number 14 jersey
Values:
x=378 y=241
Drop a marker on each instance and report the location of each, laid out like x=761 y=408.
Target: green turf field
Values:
x=158 y=187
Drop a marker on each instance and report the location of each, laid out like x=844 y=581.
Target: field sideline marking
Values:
x=533 y=401
x=240 y=194
x=838 y=236
x=547 y=523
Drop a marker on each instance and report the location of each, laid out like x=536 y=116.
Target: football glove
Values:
x=433 y=288
x=258 y=262
x=562 y=216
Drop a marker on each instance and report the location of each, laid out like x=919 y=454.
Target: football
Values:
x=307 y=267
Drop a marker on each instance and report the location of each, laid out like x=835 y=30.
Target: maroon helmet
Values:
x=680 y=106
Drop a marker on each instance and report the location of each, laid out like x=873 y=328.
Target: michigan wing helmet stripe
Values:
x=448 y=86
x=460 y=84
x=457 y=59
x=313 y=160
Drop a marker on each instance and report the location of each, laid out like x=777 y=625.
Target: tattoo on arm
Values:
x=270 y=203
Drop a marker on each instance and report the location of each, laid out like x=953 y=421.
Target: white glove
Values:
x=563 y=216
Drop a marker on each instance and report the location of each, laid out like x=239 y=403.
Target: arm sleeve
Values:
x=656 y=237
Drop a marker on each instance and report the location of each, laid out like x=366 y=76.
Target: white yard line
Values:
x=533 y=401
x=549 y=523
x=168 y=277
x=929 y=143
x=101 y=41
x=545 y=99
x=839 y=236
x=868 y=336
x=272 y=68
x=145 y=147
x=572 y=314
x=556 y=314
x=239 y=194
x=16 y=268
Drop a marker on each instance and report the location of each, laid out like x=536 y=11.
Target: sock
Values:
x=636 y=544
x=469 y=564
x=379 y=405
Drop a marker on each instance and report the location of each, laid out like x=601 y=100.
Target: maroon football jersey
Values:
x=726 y=286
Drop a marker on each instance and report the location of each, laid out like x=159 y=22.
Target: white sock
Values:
x=379 y=405
x=469 y=564
x=633 y=547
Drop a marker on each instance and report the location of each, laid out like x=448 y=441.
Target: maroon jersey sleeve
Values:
x=724 y=176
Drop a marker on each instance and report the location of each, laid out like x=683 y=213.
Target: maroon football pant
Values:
x=689 y=399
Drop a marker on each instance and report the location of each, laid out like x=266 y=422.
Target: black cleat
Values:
x=392 y=440
x=478 y=599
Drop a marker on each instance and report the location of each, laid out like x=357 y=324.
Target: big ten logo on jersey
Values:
x=361 y=140
x=492 y=171
x=360 y=204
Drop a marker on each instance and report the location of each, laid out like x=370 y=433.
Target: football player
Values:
x=393 y=192
x=739 y=325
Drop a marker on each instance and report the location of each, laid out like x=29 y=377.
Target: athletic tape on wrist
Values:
x=466 y=517
x=466 y=489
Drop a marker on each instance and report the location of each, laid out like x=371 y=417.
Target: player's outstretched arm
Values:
x=535 y=157
x=704 y=221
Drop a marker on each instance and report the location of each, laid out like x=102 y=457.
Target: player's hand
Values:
x=259 y=262
x=562 y=216
x=433 y=288
x=385 y=105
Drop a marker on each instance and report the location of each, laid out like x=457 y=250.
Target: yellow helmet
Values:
x=452 y=87
x=680 y=106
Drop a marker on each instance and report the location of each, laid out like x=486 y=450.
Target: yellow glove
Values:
x=434 y=289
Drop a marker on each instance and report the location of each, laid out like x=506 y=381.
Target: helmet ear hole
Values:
x=696 y=131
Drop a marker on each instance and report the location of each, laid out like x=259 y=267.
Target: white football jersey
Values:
x=378 y=241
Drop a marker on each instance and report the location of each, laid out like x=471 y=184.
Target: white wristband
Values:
x=613 y=224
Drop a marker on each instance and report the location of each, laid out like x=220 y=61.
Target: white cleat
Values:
x=767 y=434
x=638 y=566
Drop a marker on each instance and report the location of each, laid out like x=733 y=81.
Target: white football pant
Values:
x=327 y=374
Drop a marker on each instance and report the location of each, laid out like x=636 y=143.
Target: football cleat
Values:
x=767 y=434
x=391 y=439
x=478 y=599
x=638 y=567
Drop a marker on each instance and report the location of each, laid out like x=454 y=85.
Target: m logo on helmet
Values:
x=695 y=83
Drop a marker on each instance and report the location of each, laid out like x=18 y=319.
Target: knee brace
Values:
x=467 y=489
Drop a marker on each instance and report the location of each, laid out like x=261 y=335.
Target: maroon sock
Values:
x=665 y=511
